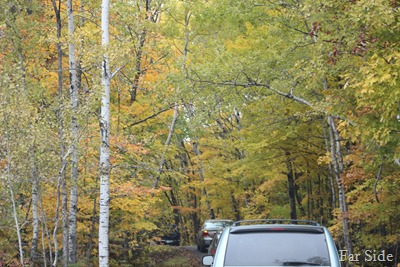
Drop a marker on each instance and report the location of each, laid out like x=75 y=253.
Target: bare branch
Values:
x=150 y=117
x=116 y=71
x=267 y=86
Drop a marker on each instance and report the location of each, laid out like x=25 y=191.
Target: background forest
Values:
x=219 y=109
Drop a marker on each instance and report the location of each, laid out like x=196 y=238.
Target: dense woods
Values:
x=119 y=118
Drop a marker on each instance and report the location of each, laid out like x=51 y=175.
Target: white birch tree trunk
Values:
x=61 y=177
x=35 y=208
x=73 y=207
x=104 y=146
x=337 y=162
x=12 y=195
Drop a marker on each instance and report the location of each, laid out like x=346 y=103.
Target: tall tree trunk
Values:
x=166 y=145
x=151 y=16
x=35 y=208
x=235 y=206
x=61 y=187
x=291 y=187
x=92 y=230
x=330 y=172
x=105 y=142
x=45 y=232
x=73 y=201
x=12 y=195
x=203 y=189
x=337 y=162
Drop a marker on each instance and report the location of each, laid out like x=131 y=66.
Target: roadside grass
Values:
x=177 y=260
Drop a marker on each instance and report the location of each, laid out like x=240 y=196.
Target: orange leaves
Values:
x=122 y=147
x=3 y=164
x=165 y=188
x=130 y=189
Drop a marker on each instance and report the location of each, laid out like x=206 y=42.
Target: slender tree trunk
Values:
x=176 y=108
x=337 y=163
x=138 y=72
x=330 y=172
x=61 y=187
x=151 y=16
x=235 y=207
x=105 y=143
x=73 y=206
x=43 y=247
x=291 y=187
x=166 y=145
x=92 y=230
x=12 y=196
x=45 y=233
x=35 y=209
x=203 y=189
x=61 y=193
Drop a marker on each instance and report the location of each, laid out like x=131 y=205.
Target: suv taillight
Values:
x=205 y=233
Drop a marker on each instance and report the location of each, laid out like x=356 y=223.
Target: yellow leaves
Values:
x=248 y=41
x=273 y=12
x=385 y=77
x=145 y=225
x=185 y=210
x=269 y=184
x=325 y=159
x=239 y=44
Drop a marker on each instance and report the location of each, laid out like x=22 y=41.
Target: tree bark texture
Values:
x=12 y=195
x=35 y=208
x=73 y=206
x=337 y=162
x=105 y=143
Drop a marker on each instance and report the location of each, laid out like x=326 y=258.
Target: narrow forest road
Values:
x=197 y=254
x=182 y=256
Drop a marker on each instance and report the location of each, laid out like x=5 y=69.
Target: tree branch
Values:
x=150 y=117
x=254 y=83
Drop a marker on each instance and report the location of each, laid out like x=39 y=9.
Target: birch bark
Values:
x=105 y=141
x=12 y=195
x=337 y=162
x=35 y=209
x=73 y=207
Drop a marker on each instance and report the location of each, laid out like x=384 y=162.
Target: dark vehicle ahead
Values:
x=207 y=231
x=267 y=243
x=172 y=236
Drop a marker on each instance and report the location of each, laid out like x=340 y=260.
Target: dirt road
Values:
x=197 y=254
x=182 y=256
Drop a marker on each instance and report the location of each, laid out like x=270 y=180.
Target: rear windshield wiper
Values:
x=299 y=263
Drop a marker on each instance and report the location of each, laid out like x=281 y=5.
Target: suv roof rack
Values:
x=276 y=221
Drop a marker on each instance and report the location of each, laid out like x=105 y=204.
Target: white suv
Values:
x=275 y=243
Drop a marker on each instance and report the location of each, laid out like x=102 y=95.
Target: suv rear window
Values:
x=217 y=224
x=276 y=249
